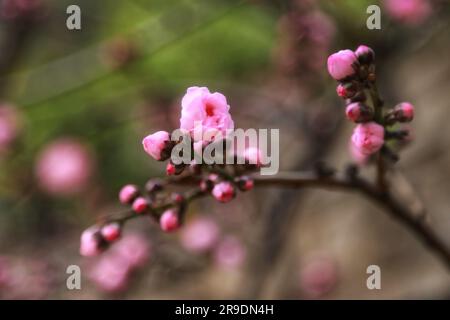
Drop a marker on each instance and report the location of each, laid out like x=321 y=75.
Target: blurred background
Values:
x=75 y=105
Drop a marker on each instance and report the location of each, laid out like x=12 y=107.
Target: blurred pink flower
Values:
x=203 y=113
x=134 y=249
x=230 y=253
x=110 y=273
x=64 y=167
x=368 y=138
x=411 y=12
x=318 y=276
x=10 y=9
x=200 y=235
x=9 y=126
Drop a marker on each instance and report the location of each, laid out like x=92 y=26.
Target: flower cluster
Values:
x=355 y=73
x=205 y=119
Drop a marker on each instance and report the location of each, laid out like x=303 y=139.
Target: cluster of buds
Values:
x=355 y=73
x=222 y=181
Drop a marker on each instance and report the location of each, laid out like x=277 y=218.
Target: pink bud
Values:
x=140 y=205
x=111 y=232
x=170 y=169
x=169 y=220
x=365 y=54
x=368 y=138
x=346 y=90
x=223 y=191
x=157 y=145
x=90 y=242
x=341 y=64
x=245 y=183
x=358 y=112
x=404 y=112
x=128 y=193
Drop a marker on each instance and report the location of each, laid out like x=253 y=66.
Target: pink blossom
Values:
x=359 y=112
x=200 y=235
x=90 y=242
x=128 y=193
x=9 y=126
x=318 y=276
x=140 y=205
x=156 y=144
x=230 y=253
x=223 y=191
x=203 y=113
x=365 y=54
x=341 y=64
x=169 y=220
x=134 y=249
x=111 y=231
x=111 y=273
x=64 y=167
x=368 y=138
x=411 y=12
x=357 y=156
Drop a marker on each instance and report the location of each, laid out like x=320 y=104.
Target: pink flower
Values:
x=110 y=273
x=358 y=112
x=412 y=12
x=368 y=138
x=357 y=156
x=318 y=276
x=200 y=235
x=64 y=167
x=404 y=112
x=111 y=232
x=341 y=64
x=134 y=249
x=230 y=253
x=128 y=193
x=140 y=205
x=204 y=112
x=157 y=145
x=223 y=191
x=90 y=242
x=9 y=126
x=169 y=220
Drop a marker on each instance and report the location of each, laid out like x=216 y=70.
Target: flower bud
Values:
x=346 y=90
x=158 y=145
x=91 y=242
x=223 y=191
x=169 y=220
x=170 y=169
x=359 y=112
x=245 y=183
x=111 y=231
x=206 y=185
x=153 y=186
x=365 y=54
x=140 y=205
x=128 y=193
x=342 y=64
x=404 y=112
x=367 y=138
x=177 y=197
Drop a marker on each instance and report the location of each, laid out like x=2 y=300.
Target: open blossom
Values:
x=410 y=12
x=90 y=242
x=223 y=191
x=64 y=167
x=9 y=126
x=368 y=137
x=200 y=235
x=204 y=113
x=157 y=145
x=341 y=64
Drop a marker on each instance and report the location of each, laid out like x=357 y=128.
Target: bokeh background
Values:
x=74 y=106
